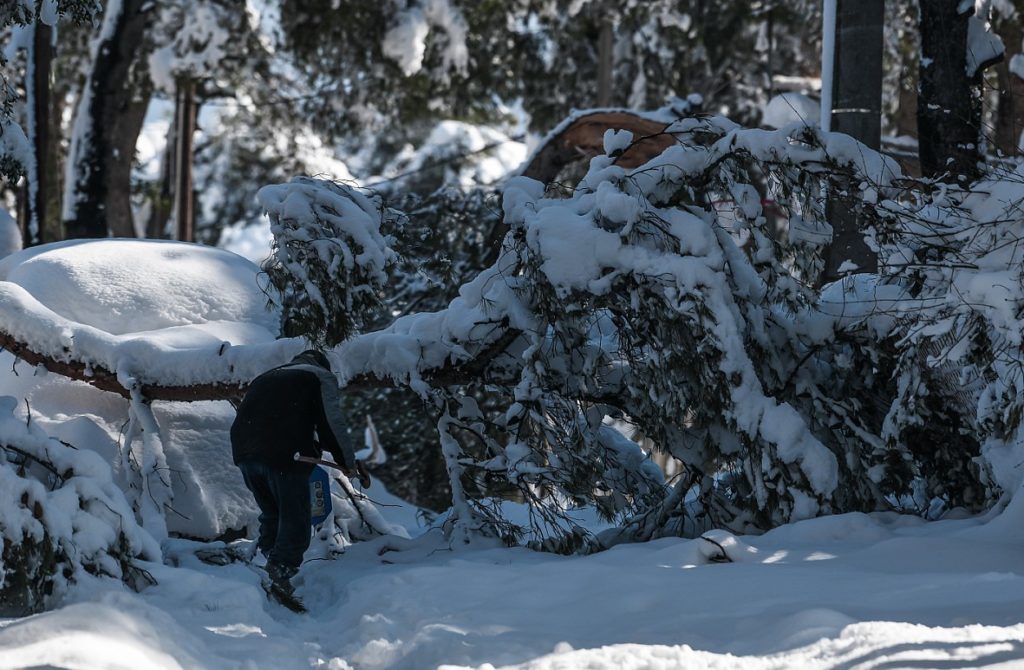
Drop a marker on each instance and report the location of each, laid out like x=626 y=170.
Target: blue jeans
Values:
x=283 y=499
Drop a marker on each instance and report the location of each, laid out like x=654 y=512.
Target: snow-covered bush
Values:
x=61 y=516
x=14 y=147
x=328 y=259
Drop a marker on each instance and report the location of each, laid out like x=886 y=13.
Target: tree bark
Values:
x=856 y=111
x=447 y=374
x=185 y=127
x=36 y=228
x=1010 y=110
x=584 y=138
x=949 y=103
x=857 y=78
x=605 y=63
x=101 y=197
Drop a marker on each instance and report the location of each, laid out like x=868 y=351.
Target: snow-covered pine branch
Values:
x=329 y=256
x=61 y=516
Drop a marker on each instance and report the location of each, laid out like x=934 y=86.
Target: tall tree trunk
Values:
x=40 y=178
x=605 y=63
x=185 y=127
x=906 y=115
x=50 y=228
x=1010 y=112
x=857 y=78
x=949 y=105
x=856 y=111
x=163 y=203
x=107 y=125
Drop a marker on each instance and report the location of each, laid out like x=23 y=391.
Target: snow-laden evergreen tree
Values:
x=329 y=257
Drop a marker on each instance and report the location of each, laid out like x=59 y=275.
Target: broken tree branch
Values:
x=105 y=380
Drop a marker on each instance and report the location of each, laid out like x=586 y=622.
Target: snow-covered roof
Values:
x=157 y=313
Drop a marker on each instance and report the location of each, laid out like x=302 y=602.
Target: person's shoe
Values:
x=280 y=576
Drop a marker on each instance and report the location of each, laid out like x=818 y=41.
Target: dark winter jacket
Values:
x=290 y=409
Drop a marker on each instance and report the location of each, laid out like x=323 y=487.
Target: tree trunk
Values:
x=605 y=63
x=41 y=175
x=162 y=203
x=185 y=127
x=857 y=78
x=906 y=115
x=99 y=199
x=949 y=103
x=856 y=111
x=1010 y=110
x=50 y=228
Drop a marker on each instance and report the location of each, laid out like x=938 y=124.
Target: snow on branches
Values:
x=61 y=516
x=656 y=302
x=682 y=297
x=642 y=297
x=957 y=414
x=329 y=257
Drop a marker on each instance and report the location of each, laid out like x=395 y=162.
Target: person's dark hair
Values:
x=315 y=357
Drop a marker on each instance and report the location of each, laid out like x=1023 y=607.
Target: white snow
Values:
x=405 y=40
x=790 y=107
x=196 y=47
x=48 y=12
x=152 y=142
x=153 y=311
x=983 y=45
x=14 y=143
x=250 y=241
x=1017 y=65
x=616 y=141
x=838 y=592
x=10 y=234
x=491 y=153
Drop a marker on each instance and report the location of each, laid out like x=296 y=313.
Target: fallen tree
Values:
x=641 y=296
x=657 y=296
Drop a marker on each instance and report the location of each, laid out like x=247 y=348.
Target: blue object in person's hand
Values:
x=319 y=496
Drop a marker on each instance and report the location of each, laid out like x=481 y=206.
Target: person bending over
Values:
x=291 y=408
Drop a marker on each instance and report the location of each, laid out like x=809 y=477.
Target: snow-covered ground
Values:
x=849 y=591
